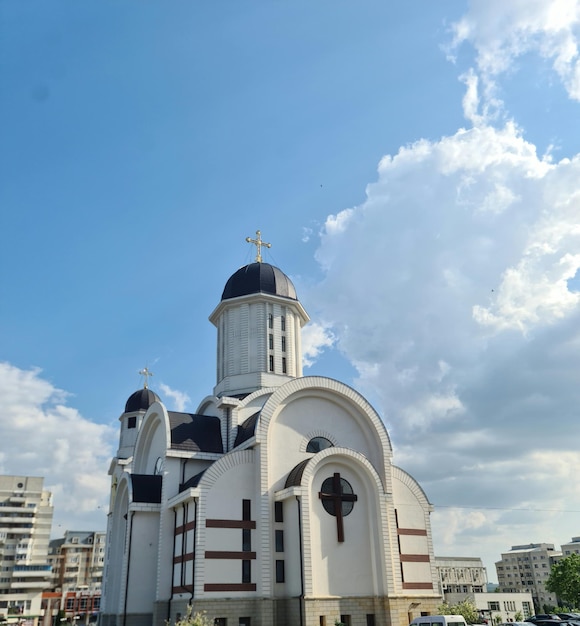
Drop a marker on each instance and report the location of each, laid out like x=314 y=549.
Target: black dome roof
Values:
x=259 y=278
x=141 y=400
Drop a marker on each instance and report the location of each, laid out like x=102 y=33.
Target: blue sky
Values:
x=415 y=166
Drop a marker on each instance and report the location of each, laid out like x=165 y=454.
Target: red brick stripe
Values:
x=230 y=587
x=218 y=554
x=412 y=531
x=229 y=523
x=415 y=558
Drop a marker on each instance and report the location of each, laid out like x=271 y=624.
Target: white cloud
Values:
x=180 y=398
x=42 y=436
x=315 y=338
x=501 y=32
x=454 y=306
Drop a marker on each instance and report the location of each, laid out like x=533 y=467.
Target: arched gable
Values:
x=360 y=426
x=413 y=486
x=153 y=440
x=222 y=466
x=359 y=567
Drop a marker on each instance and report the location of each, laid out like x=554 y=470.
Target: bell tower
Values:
x=259 y=322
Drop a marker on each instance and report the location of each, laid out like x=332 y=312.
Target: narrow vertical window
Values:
x=271 y=341
x=271 y=362
x=279 y=571
x=278 y=512
x=283 y=344
x=283 y=322
x=279 y=541
x=270 y=320
x=246 y=540
x=283 y=365
x=246 y=571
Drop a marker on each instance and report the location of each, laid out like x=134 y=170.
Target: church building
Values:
x=276 y=503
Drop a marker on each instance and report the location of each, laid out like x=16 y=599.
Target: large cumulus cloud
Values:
x=456 y=305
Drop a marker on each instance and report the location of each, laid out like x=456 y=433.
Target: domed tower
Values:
x=135 y=408
x=259 y=322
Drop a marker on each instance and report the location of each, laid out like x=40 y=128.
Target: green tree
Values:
x=465 y=608
x=564 y=580
x=194 y=619
x=519 y=616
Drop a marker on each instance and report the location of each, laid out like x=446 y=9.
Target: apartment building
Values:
x=526 y=568
x=77 y=563
x=25 y=522
x=573 y=547
x=77 y=560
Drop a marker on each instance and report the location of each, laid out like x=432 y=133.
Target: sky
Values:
x=416 y=167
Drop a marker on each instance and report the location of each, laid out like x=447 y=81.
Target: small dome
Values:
x=141 y=400
x=259 y=278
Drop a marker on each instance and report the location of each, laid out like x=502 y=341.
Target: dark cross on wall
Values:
x=337 y=499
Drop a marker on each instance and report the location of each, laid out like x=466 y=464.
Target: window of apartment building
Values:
x=70 y=602
x=283 y=322
x=220 y=621
x=493 y=606
x=271 y=362
x=283 y=365
x=345 y=619
x=245 y=621
x=270 y=320
x=283 y=344
x=271 y=341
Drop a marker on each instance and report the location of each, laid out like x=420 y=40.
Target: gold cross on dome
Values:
x=258 y=243
x=146 y=373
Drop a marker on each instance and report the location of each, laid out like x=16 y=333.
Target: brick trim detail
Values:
x=418 y=586
x=220 y=554
x=415 y=558
x=229 y=523
x=182 y=558
x=183 y=529
x=230 y=587
x=412 y=531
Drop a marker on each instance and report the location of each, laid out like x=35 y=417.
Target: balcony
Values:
x=31 y=584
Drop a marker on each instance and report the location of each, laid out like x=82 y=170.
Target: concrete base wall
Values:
x=297 y=612
x=131 y=619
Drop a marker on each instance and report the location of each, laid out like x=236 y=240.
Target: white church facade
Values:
x=276 y=503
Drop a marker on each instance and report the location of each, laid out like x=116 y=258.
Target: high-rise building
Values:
x=526 y=568
x=25 y=523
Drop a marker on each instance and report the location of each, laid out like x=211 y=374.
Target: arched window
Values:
x=316 y=444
